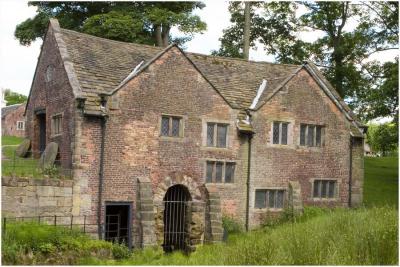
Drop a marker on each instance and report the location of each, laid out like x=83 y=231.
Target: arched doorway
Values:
x=176 y=234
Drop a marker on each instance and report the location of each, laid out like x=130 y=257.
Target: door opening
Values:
x=42 y=131
x=117 y=226
x=176 y=234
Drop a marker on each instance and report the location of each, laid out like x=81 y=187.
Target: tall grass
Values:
x=339 y=237
x=28 y=243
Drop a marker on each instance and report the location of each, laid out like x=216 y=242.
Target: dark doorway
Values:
x=42 y=131
x=176 y=234
x=117 y=226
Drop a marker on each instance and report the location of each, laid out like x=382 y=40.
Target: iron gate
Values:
x=176 y=235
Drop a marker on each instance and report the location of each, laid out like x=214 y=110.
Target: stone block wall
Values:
x=26 y=197
x=357 y=176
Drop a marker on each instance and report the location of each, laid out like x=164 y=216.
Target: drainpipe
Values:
x=250 y=136
x=101 y=174
x=350 y=168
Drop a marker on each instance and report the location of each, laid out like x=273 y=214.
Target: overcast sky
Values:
x=17 y=62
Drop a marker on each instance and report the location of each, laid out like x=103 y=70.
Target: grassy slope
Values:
x=10 y=140
x=340 y=237
x=381 y=181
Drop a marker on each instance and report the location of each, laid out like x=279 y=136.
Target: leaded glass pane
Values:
x=218 y=172
x=175 y=126
x=209 y=171
x=279 y=199
x=271 y=198
x=229 y=171
x=275 y=133
x=221 y=135
x=165 y=126
x=210 y=134
x=310 y=137
x=324 y=189
x=284 y=133
x=318 y=136
x=332 y=185
x=260 y=199
x=303 y=134
x=316 y=188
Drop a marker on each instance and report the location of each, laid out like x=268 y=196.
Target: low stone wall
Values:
x=25 y=197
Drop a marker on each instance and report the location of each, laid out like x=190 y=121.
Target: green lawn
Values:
x=11 y=140
x=381 y=181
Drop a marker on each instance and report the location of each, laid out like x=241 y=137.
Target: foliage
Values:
x=28 y=243
x=381 y=183
x=139 y=22
x=120 y=251
x=337 y=237
x=342 y=50
x=383 y=137
x=13 y=98
x=231 y=225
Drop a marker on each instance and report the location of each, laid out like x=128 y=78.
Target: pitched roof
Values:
x=8 y=109
x=101 y=65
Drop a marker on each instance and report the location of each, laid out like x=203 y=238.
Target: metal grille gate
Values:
x=175 y=216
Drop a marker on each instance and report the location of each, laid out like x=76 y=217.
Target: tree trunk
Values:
x=246 y=31
x=165 y=35
x=157 y=33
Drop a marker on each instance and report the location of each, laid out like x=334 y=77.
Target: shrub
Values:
x=120 y=251
x=231 y=225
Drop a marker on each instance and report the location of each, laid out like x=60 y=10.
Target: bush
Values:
x=120 y=251
x=231 y=225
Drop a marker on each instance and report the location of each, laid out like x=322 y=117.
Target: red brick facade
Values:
x=13 y=121
x=134 y=148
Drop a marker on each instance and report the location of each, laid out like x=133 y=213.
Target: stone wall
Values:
x=25 y=197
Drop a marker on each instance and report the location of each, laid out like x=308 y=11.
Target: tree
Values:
x=351 y=33
x=13 y=98
x=383 y=137
x=140 y=22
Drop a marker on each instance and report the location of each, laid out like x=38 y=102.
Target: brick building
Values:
x=165 y=140
x=13 y=120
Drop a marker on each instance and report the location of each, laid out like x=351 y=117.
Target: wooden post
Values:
x=72 y=218
x=84 y=224
x=55 y=220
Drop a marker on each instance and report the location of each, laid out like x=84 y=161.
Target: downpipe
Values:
x=101 y=174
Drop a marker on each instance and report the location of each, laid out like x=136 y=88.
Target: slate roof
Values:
x=101 y=65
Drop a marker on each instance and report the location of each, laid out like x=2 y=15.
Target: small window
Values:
x=217 y=134
x=324 y=189
x=49 y=73
x=171 y=126
x=280 y=133
x=269 y=198
x=56 y=128
x=20 y=125
x=220 y=172
x=311 y=135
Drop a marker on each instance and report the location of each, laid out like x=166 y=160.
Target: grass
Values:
x=381 y=181
x=12 y=165
x=28 y=243
x=338 y=237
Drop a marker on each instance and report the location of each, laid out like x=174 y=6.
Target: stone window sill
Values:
x=317 y=199
x=261 y=210
x=172 y=138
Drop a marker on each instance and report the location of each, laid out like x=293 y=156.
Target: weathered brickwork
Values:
x=273 y=166
x=9 y=121
x=54 y=97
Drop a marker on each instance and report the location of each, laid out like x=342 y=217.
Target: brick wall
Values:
x=55 y=97
x=9 y=122
x=273 y=166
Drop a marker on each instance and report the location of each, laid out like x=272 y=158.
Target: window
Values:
x=171 y=126
x=56 y=128
x=20 y=125
x=220 y=172
x=280 y=133
x=324 y=189
x=311 y=135
x=217 y=134
x=269 y=198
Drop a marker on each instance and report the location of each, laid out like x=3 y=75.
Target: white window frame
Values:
x=21 y=128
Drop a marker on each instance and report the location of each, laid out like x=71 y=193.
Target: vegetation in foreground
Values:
x=321 y=237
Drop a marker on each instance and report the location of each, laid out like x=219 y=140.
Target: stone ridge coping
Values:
x=21 y=181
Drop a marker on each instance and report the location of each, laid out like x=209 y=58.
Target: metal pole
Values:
x=39 y=219
x=4 y=225
x=14 y=162
x=72 y=218
x=84 y=224
x=55 y=220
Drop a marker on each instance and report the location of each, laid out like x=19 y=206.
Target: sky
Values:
x=17 y=62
